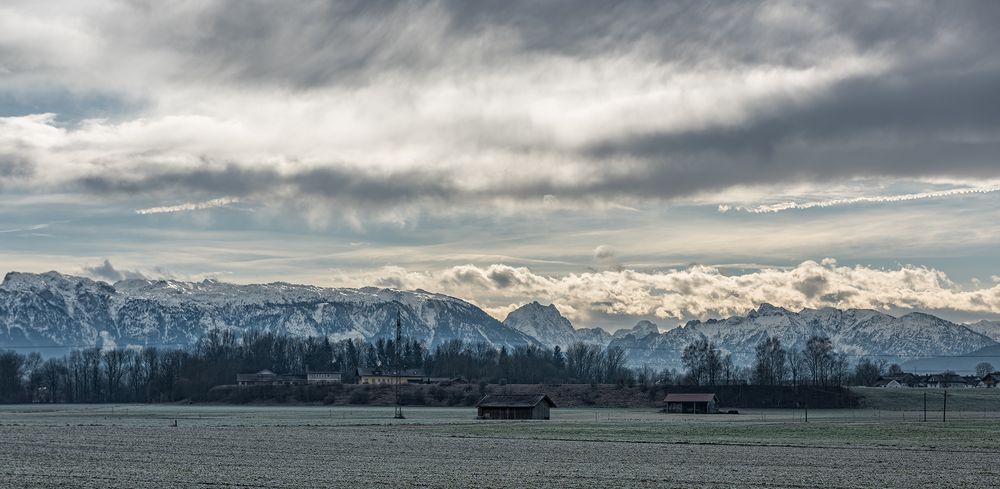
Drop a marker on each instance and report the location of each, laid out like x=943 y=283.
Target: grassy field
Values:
x=253 y=446
x=913 y=399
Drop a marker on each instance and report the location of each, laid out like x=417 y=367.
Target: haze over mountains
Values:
x=52 y=310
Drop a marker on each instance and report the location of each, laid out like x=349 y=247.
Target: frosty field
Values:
x=225 y=446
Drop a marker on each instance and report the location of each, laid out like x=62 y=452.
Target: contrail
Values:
x=878 y=199
x=190 y=206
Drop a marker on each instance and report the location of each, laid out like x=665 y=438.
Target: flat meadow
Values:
x=306 y=446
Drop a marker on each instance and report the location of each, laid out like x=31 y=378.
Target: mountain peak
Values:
x=51 y=279
x=766 y=309
x=544 y=323
x=641 y=329
x=645 y=327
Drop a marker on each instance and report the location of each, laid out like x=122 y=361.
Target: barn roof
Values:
x=690 y=397
x=514 y=400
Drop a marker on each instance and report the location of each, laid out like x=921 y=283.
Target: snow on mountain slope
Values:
x=986 y=328
x=853 y=331
x=54 y=309
x=550 y=328
x=593 y=336
x=51 y=309
x=543 y=323
x=640 y=330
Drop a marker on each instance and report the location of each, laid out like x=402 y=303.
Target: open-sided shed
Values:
x=514 y=406
x=702 y=403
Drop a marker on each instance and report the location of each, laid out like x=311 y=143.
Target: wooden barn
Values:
x=513 y=406
x=692 y=403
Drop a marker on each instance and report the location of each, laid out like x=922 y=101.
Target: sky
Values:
x=623 y=161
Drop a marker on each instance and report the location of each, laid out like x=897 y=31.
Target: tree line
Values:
x=153 y=375
x=817 y=364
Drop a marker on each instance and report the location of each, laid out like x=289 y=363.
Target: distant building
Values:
x=905 y=379
x=705 y=403
x=267 y=377
x=379 y=376
x=946 y=381
x=514 y=406
x=323 y=377
x=991 y=380
x=264 y=377
x=888 y=383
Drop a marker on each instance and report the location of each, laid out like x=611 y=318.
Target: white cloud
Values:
x=695 y=292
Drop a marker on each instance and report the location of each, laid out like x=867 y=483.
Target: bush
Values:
x=439 y=394
x=415 y=398
x=471 y=399
x=454 y=398
x=359 y=396
x=330 y=398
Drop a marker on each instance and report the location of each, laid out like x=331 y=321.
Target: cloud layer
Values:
x=697 y=291
x=376 y=105
x=591 y=141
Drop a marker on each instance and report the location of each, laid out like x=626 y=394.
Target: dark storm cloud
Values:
x=920 y=118
x=925 y=101
x=235 y=181
x=317 y=43
x=107 y=272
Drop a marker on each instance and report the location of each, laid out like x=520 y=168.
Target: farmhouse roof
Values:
x=950 y=378
x=690 y=398
x=884 y=382
x=514 y=400
x=409 y=372
x=261 y=372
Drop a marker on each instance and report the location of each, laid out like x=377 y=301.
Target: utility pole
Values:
x=399 y=338
x=925 y=406
x=944 y=412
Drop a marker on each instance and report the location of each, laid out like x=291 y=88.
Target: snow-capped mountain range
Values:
x=856 y=332
x=988 y=328
x=52 y=309
x=55 y=310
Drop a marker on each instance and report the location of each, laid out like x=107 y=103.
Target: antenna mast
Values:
x=399 y=364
